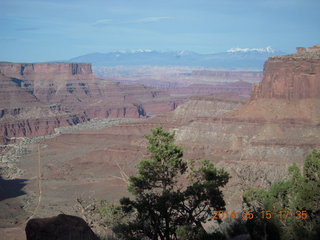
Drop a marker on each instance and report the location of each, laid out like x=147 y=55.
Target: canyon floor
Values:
x=45 y=175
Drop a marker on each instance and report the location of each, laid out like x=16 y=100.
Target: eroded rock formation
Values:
x=239 y=89
x=289 y=91
x=277 y=127
x=36 y=98
x=291 y=77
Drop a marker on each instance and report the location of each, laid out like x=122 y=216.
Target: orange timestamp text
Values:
x=264 y=214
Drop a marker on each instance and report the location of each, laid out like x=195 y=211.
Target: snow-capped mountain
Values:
x=252 y=58
x=135 y=51
x=268 y=49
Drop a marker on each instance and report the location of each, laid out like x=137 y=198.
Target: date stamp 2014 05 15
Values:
x=264 y=214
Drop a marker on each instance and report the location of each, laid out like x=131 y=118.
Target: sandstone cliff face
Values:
x=40 y=126
x=259 y=140
x=254 y=153
x=291 y=77
x=12 y=97
x=289 y=91
x=25 y=70
x=36 y=98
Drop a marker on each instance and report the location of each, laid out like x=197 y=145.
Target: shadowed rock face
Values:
x=11 y=188
x=61 y=227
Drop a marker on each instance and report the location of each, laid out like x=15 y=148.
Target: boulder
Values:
x=61 y=227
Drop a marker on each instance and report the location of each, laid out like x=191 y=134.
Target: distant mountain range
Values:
x=248 y=58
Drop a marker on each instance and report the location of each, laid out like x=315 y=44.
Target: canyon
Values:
x=36 y=98
x=185 y=81
x=254 y=139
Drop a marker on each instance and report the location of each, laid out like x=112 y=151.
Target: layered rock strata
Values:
x=239 y=89
x=289 y=91
x=291 y=77
x=36 y=98
x=277 y=127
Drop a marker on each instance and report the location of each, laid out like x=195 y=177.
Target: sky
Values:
x=51 y=30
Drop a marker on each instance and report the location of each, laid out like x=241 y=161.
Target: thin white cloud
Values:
x=152 y=19
x=102 y=22
x=8 y=39
x=27 y=29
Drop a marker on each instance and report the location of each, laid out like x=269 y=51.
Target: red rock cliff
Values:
x=291 y=77
x=25 y=70
x=58 y=93
x=289 y=91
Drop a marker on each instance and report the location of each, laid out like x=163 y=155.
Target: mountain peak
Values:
x=248 y=58
x=136 y=51
x=267 y=49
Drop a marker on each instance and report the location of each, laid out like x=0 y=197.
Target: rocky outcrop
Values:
x=289 y=91
x=61 y=227
x=38 y=70
x=38 y=127
x=291 y=77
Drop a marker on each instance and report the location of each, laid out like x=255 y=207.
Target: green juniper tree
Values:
x=295 y=203
x=172 y=197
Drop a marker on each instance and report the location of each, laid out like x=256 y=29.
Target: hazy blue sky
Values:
x=46 y=30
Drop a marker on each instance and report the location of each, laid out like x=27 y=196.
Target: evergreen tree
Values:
x=172 y=197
